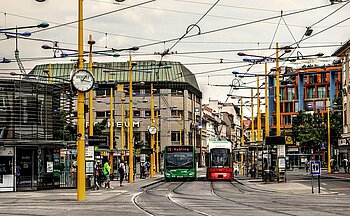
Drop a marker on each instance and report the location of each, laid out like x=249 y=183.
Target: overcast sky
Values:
x=225 y=27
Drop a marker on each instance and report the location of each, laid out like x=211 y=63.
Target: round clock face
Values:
x=152 y=130
x=82 y=80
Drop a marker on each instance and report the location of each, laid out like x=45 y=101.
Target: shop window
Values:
x=147 y=113
x=5 y=165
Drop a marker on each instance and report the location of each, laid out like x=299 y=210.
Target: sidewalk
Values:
x=298 y=182
x=71 y=194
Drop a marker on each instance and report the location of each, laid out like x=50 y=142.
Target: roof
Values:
x=341 y=50
x=118 y=72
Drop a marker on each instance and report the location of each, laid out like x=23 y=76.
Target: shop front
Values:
x=6 y=169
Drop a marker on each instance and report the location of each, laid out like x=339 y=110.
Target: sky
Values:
x=204 y=35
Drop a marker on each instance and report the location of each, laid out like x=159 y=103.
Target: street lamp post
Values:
x=328 y=138
x=91 y=113
x=252 y=137
x=131 y=144
x=242 y=136
x=152 y=135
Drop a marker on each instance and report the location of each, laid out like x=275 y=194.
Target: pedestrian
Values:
x=107 y=173
x=121 y=171
x=142 y=170
x=97 y=176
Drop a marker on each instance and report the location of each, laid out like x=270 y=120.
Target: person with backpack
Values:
x=107 y=172
x=121 y=171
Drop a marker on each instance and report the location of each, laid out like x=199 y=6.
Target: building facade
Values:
x=32 y=133
x=344 y=143
x=305 y=89
x=177 y=100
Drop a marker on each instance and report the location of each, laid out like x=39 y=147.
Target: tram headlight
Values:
x=191 y=173
x=167 y=174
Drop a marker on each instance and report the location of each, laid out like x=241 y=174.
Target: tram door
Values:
x=26 y=169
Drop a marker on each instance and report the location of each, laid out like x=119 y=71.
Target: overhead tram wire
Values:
x=192 y=26
x=240 y=25
x=96 y=16
x=302 y=38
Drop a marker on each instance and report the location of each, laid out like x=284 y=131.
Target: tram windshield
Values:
x=179 y=160
x=220 y=157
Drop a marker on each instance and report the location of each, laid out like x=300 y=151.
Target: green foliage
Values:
x=310 y=130
x=100 y=128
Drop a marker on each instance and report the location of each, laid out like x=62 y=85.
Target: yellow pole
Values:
x=267 y=129
x=242 y=137
x=328 y=138
x=180 y=129
x=131 y=144
x=253 y=126
x=157 y=143
x=50 y=73
x=278 y=111
x=259 y=113
x=122 y=133
x=111 y=128
x=91 y=112
x=152 y=135
x=81 y=194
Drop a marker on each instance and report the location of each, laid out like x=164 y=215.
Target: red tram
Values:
x=219 y=161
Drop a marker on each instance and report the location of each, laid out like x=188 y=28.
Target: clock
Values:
x=82 y=80
x=152 y=130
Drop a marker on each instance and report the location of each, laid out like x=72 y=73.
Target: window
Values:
x=100 y=92
x=296 y=106
x=177 y=113
x=321 y=92
x=198 y=99
x=103 y=92
x=147 y=91
x=320 y=105
x=288 y=107
x=175 y=137
x=323 y=77
x=137 y=113
x=190 y=115
x=313 y=78
x=287 y=119
x=175 y=92
x=100 y=114
x=310 y=92
x=290 y=94
x=147 y=113
x=190 y=95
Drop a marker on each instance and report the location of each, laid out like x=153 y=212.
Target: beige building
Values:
x=177 y=97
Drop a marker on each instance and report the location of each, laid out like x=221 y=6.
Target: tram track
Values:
x=213 y=189
x=169 y=196
x=244 y=189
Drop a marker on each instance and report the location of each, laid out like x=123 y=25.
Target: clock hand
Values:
x=82 y=79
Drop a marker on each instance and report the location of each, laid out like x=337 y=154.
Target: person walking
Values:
x=121 y=171
x=107 y=173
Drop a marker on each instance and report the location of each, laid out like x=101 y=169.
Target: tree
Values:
x=309 y=129
x=100 y=128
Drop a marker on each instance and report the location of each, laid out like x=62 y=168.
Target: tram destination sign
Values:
x=179 y=149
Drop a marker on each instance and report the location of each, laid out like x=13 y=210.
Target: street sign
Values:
x=315 y=167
